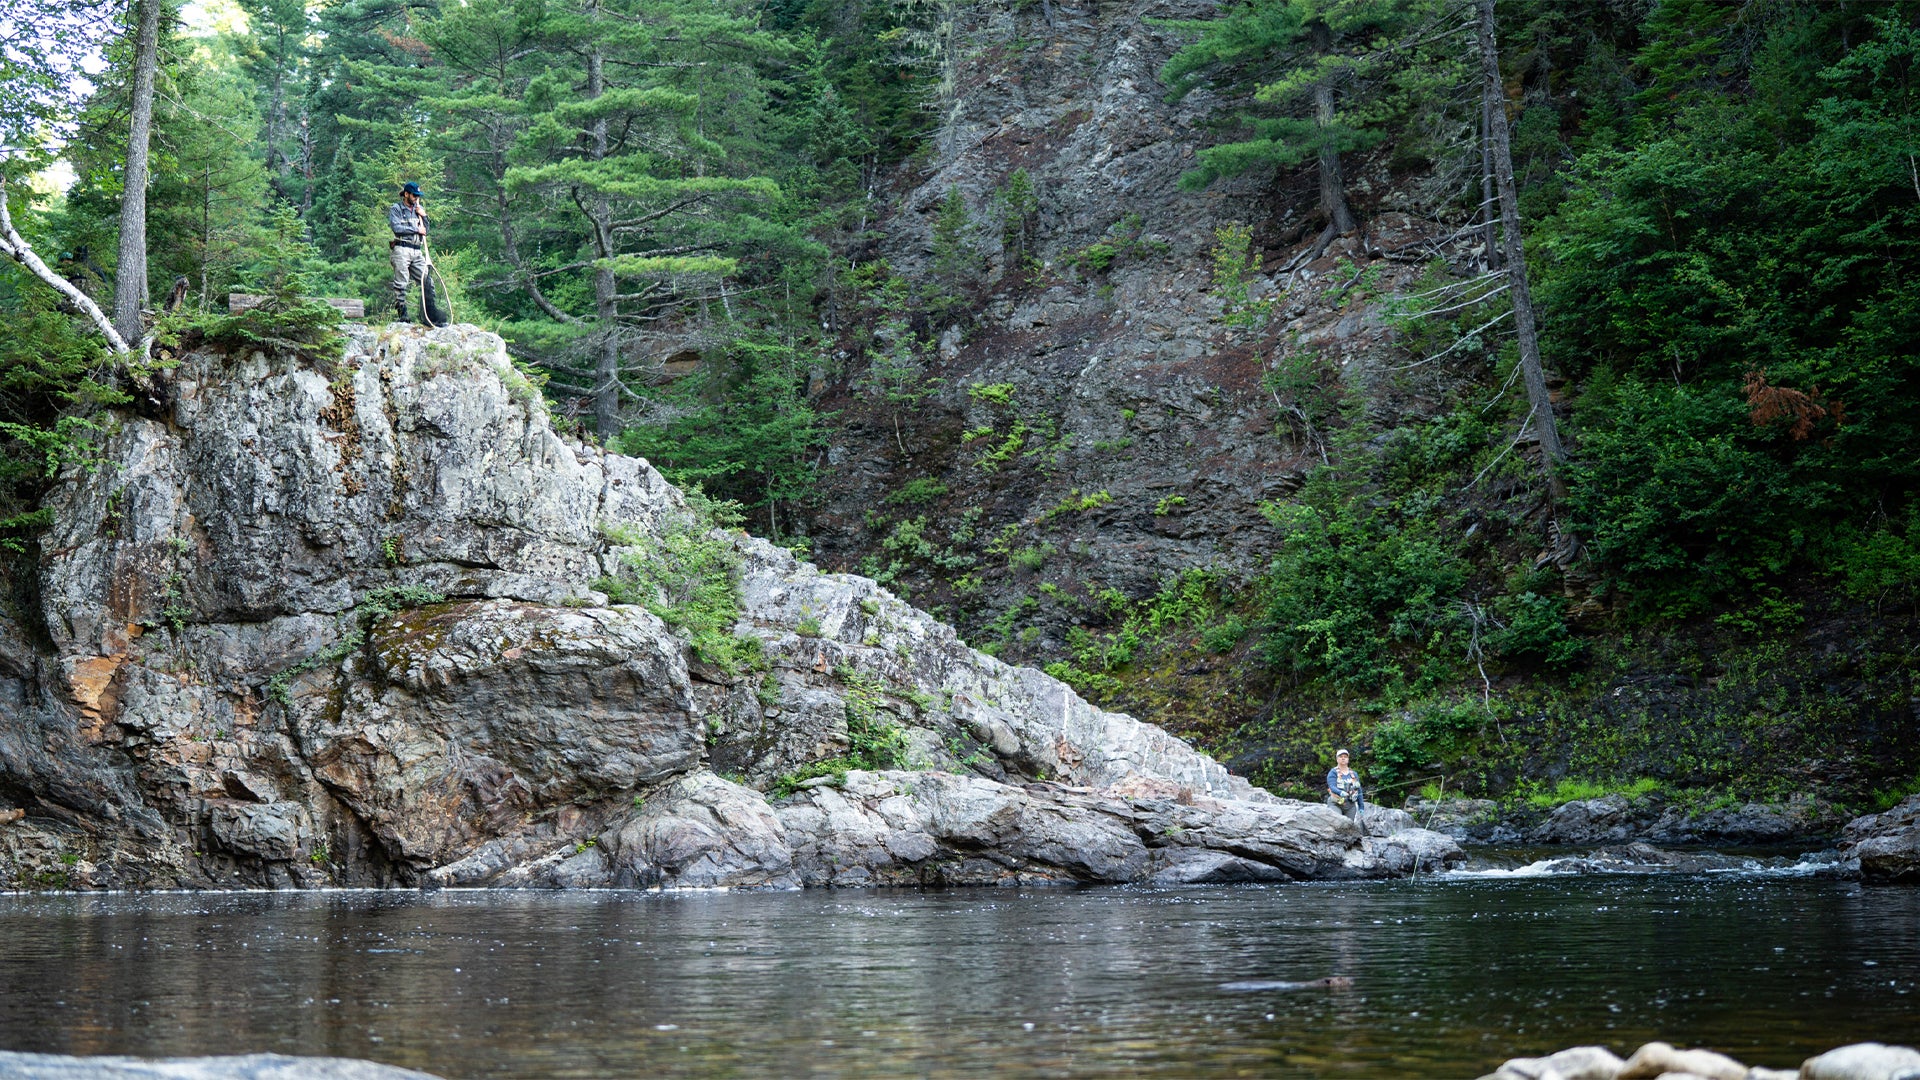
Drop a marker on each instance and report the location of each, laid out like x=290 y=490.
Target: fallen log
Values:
x=351 y=308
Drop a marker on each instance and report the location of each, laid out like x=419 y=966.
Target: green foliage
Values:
x=741 y=427
x=688 y=573
x=1000 y=394
x=53 y=384
x=917 y=492
x=1030 y=558
x=1017 y=203
x=1732 y=283
x=286 y=321
x=1233 y=268
x=1123 y=241
x=1075 y=503
x=1362 y=594
x=1270 y=57
x=1684 y=502
x=1425 y=738
x=1567 y=791
x=1533 y=627
x=875 y=741
x=1192 y=600
x=956 y=259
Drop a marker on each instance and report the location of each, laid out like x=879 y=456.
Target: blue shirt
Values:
x=1351 y=789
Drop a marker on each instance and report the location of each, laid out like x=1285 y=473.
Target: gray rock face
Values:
x=1887 y=845
x=940 y=828
x=1125 y=366
x=244 y=1067
x=1606 y=820
x=702 y=832
x=251 y=683
x=1615 y=819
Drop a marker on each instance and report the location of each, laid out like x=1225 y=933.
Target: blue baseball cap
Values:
x=410 y=188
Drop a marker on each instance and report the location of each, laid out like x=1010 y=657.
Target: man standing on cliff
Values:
x=408 y=220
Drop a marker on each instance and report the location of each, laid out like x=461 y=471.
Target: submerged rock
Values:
x=243 y=1067
x=336 y=623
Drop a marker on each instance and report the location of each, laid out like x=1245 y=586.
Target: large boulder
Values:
x=1887 y=845
x=1863 y=1061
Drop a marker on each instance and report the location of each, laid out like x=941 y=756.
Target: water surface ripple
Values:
x=1449 y=977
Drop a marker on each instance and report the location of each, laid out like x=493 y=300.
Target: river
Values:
x=1451 y=975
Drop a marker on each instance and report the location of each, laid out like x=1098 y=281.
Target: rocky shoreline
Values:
x=341 y=623
x=1661 y=1061
x=1617 y=832
x=1653 y=1061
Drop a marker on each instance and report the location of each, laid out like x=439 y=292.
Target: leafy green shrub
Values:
x=743 y=428
x=1031 y=557
x=1234 y=264
x=1535 y=629
x=1222 y=636
x=1567 y=791
x=992 y=393
x=1682 y=502
x=1360 y=594
x=689 y=577
x=1434 y=735
x=917 y=492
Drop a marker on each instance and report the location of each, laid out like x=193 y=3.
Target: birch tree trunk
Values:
x=130 y=274
x=1552 y=454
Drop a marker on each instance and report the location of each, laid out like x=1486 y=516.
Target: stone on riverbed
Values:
x=1577 y=1063
x=242 y=1067
x=1657 y=1059
x=1864 y=1061
x=1660 y=1061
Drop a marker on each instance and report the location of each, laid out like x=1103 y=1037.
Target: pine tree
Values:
x=1312 y=75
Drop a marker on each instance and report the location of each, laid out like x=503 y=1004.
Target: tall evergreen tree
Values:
x=1309 y=72
x=633 y=135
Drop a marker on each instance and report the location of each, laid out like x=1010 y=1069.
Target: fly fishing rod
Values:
x=431 y=313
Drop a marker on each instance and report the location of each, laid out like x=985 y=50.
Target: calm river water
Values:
x=1450 y=976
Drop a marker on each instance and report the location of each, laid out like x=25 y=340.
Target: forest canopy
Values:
x=1720 y=203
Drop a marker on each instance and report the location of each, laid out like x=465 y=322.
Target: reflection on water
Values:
x=1449 y=977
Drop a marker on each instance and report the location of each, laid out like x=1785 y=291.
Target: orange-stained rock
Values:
x=90 y=680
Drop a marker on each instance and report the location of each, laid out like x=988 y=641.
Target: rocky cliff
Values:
x=1105 y=413
x=336 y=622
